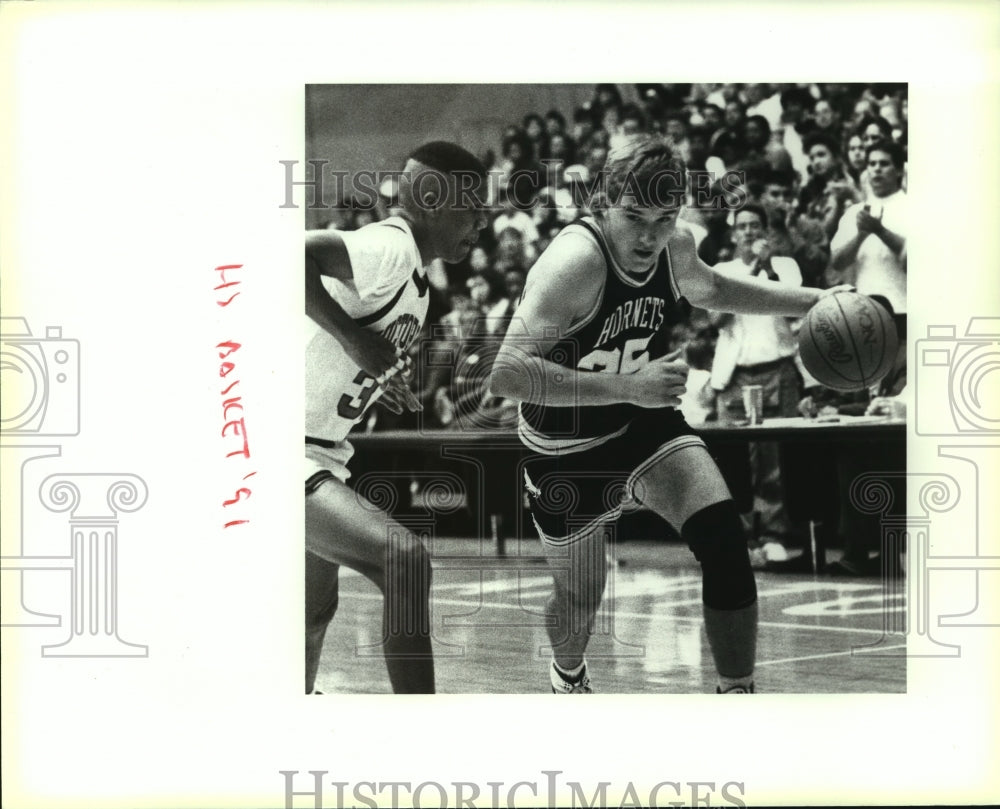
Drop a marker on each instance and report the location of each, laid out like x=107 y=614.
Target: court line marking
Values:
x=849 y=652
x=639 y=615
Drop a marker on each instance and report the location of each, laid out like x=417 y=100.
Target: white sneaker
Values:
x=561 y=686
x=737 y=689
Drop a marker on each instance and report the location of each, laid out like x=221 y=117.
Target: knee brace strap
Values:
x=715 y=536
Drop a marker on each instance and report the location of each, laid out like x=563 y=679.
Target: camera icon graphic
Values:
x=964 y=375
x=40 y=381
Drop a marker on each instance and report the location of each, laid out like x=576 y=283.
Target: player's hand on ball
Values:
x=659 y=383
x=836 y=289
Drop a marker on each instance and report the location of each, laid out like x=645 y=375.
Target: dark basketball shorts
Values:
x=573 y=493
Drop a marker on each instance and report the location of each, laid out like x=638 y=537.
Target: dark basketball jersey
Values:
x=629 y=326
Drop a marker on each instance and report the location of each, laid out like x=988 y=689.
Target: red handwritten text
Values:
x=234 y=422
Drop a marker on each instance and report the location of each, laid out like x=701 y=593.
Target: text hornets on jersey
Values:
x=645 y=313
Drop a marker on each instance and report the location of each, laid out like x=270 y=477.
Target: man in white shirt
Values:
x=877 y=266
x=759 y=350
x=869 y=247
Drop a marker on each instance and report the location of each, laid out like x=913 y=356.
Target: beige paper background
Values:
x=140 y=151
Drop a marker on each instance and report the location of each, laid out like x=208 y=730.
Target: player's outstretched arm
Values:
x=327 y=255
x=563 y=288
x=708 y=289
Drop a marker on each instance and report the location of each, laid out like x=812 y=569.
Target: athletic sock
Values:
x=739 y=685
x=572 y=675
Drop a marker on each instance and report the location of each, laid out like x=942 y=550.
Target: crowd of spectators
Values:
x=796 y=152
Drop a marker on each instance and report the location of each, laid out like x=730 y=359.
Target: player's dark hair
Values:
x=820 y=139
x=425 y=187
x=891 y=148
x=448 y=158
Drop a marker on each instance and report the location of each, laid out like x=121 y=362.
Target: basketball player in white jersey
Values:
x=366 y=297
x=588 y=361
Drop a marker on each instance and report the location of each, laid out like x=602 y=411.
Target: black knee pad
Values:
x=715 y=536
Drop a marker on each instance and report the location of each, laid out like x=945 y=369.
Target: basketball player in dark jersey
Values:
x=587 y=358
x=366 y=297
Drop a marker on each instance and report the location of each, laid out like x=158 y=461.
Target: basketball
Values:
x=848 y=342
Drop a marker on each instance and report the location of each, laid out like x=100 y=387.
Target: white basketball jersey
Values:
x=388 y=295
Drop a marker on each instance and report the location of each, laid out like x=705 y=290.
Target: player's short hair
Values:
x=754 y=208
x=645 y=166
x=891 y=148
x=447 y=157
x=820 y=139
x=440 y=158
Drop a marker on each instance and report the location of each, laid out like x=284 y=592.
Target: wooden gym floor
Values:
x=489 y=634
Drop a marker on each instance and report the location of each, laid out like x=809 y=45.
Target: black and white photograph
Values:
x=565 y=337
x=638 y=351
